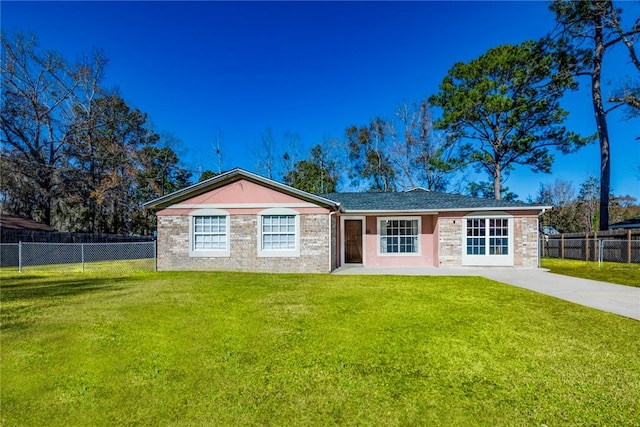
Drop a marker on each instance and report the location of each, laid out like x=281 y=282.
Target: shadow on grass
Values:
x=38 y=287
x=23 y=298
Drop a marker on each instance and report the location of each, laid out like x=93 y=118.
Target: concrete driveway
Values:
x=617 y=299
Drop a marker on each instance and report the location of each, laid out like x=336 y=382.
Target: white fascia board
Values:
x=195 y=189
x=435 y=212
x=388 y=212
x=241 y=205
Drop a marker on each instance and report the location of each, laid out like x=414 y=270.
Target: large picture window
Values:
x=399 y=235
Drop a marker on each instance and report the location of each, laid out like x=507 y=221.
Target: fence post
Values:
x=562 y=246
x=586 y=246
x=20 y=256
x=82 y=255
x=628 y=246
x=155 y=255
x=595 y=245
x=600 y=253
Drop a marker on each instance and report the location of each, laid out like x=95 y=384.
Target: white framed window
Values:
x=399 y=236
x=488 y=239
x=279 y=233
x=209 y=233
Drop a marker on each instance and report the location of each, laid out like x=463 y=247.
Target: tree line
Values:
x=76 y=156
x=501 y=110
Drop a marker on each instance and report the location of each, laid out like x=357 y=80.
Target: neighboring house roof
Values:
x=548 y=229
x=232 y=176
x=422 y=201
x=629 y=223
x=20 y=223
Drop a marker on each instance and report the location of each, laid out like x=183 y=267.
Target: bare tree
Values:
x=292 y=143
x=265 y=154
x=41 y=96
x=217 y=149
x=423 y=156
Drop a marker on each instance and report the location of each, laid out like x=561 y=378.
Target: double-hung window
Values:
x=209 y=233
x=279 y=233
x=399 y=236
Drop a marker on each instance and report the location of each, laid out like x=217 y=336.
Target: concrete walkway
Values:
x=617 y=299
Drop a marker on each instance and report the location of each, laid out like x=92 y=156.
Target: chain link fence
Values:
x=619 y=251
x=596 y=250
x=78 y=257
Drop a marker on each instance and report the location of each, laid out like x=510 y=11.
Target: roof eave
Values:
x=436 y=211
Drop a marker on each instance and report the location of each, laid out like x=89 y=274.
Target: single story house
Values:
x=244 y=222
x=14 y=229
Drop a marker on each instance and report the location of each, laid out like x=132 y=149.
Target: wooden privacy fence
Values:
x=613 y=245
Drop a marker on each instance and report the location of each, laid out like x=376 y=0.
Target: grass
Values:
x=258 y=349
x=611 y=272
x=130 y=265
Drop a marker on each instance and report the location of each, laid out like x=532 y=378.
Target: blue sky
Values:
x=303 y=67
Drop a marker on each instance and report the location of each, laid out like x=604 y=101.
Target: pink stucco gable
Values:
x=242 y=197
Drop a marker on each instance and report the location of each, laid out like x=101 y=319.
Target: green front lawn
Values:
x=612 y=272
x=256 y=349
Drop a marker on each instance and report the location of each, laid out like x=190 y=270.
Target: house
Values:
x=244 y=222
x=14 y=229
x=14 y=222
x=628 y=224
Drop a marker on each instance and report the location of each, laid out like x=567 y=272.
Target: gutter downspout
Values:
x=540 y=242
x=330 y=240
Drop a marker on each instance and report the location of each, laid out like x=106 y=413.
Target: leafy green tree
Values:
x=369 y=158
x=507 y=104
x=317 y=175
x=589 y=29
x=207 y=174
x=159 y=174
x=485 y=190
x=110 y=154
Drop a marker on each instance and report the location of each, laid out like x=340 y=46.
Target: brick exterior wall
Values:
x=525 y=230
x=450 y=242
x=526 y=242
x=173 y=247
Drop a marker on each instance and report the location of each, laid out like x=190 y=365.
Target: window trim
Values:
x=284 y=253
x=488 y=259
x=398 y=254
x=209 y=253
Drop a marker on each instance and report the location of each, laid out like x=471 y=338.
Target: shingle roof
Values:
x=21 y=223
x=420 y=200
